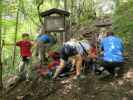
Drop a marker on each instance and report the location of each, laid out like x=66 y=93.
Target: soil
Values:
x=88 y=88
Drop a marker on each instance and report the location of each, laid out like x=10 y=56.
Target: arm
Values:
x=59 y=68
x=101 y=50
x=18 y=43
x=78 y=64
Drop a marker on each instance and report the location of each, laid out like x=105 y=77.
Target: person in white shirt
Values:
x=76 y=50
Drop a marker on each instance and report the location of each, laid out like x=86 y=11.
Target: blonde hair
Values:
x=103 y=30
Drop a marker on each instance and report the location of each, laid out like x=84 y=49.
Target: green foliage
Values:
x=123 y=21
x=28 y=22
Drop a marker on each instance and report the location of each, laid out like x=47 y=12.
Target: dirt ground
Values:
x=89 y=88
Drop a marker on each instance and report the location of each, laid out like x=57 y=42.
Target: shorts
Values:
x=67 y=51
x=25 y=59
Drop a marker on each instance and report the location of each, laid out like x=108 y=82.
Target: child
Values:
x=25 y=52
x=55 y=60
x=93 y=56
x=47 y=71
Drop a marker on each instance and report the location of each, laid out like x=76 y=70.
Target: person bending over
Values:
x=42 y=44
x=75 y=50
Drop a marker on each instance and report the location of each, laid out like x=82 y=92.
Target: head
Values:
x=93 y=44
x=73 y=40
x=54 y=55
x=25 y=36
x=110 y=33
x=103 y=30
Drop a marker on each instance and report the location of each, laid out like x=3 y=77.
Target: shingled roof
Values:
x=103 y=24
x=54 y=10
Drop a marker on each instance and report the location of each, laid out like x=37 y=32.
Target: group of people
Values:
x=27 y=47
x=76 y=52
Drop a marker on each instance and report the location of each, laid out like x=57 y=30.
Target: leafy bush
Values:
x=123 y=21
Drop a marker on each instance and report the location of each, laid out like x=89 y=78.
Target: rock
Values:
x=11 y=81
x=124 y=98
x=129 y=75
x=19 y=97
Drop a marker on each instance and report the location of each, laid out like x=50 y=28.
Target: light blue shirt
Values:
x=113 y=49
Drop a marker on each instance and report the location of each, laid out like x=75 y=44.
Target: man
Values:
x=112 y=59
x=75 y=50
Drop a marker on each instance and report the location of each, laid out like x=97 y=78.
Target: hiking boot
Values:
x=82 y=77
x=79 y=77
x=116 y=72
x=99 y=70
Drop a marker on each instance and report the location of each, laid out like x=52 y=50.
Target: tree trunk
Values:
x=38 y=10
x=65 y=33
x=1 y=84
x=117 y=2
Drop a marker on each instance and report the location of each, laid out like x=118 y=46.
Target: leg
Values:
x=73 y=61
x=78 y=64
x=116 y=67
x=22 y=70
x=27 y=68
x=42 y=51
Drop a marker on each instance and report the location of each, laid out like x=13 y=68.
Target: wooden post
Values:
x=65 y=31
x=1 y=84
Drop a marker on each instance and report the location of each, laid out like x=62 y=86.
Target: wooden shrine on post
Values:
x=104 y=23
x=55 y=20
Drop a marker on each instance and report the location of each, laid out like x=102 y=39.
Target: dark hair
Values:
x=93 y=44
x=110 y=33
x=25 y=35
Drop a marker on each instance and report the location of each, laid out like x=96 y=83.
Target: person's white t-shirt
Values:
x=78 y=46
x=85 y=45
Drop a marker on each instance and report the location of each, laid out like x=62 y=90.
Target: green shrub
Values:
x=123 y=21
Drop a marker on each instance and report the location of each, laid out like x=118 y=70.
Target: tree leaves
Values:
x=122 y=21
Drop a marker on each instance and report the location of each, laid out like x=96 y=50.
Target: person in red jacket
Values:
x=94 y=56
x=25 y=52
x=55 y=56
x=51 y=67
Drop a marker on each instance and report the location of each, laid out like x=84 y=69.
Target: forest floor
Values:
x=89 y=88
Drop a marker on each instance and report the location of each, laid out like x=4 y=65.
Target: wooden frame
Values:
x=58 y=27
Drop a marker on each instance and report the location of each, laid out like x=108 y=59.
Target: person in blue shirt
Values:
x=42 y=43
x=44 y=38
x=112 y=59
